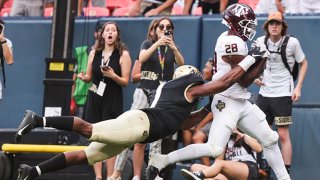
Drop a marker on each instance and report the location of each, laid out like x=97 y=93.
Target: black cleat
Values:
x=191 y=175
x=151 y=172
x=24 y=172
x=28 y=123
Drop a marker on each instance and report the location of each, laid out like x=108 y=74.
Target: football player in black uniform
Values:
x=170 y=111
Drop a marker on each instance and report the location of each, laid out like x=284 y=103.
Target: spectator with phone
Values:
x=108 y=70
x=157 y=56
x=6 y=54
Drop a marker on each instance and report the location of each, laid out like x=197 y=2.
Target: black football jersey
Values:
x=170 y=107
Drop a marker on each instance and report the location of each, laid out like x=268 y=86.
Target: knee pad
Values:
x=215 y=150
x=272 y=139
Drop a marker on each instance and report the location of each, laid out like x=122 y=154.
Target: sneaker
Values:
x=24 y=172
x=28 y=123
x=191 y=175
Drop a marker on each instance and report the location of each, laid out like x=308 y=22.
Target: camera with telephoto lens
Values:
x=167 y=33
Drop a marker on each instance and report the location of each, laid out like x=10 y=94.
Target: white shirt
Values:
x=238 y=153
x=230 y=45
x=276 y=77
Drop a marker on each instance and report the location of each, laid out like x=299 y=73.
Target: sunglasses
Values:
x=168 y=27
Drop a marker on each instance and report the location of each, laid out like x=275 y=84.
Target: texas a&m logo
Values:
x=240 y=10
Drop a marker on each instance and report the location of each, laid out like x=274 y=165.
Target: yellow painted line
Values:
x=16 y=148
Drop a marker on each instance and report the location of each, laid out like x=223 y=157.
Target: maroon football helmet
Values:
x=240 y=18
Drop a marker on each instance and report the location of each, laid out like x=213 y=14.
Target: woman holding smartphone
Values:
x=157 y=56
x=108 y=70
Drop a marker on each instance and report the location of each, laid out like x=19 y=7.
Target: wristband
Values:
x=247 y=62
x=5 y=41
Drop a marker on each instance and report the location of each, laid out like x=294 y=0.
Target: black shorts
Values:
x=253 y=170
x=277 y=109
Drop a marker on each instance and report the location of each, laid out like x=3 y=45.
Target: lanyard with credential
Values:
x=162 y=58
x=102 y=84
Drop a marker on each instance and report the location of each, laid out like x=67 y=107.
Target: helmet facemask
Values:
x=248 y=28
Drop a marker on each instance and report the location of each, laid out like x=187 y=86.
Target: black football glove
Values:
x=259 y=51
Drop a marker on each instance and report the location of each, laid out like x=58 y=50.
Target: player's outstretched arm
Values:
x=217 y=86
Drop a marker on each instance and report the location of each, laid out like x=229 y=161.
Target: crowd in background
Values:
x=155 y=7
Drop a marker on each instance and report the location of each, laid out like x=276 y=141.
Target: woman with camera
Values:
x=158 y=55
x=237 y=162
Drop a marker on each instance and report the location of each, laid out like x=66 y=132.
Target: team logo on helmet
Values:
x=240 y=18
x=184 y=70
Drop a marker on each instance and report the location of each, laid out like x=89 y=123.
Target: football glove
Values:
x=259 y=51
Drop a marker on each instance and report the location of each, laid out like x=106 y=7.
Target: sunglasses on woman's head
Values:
x=168 y=27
